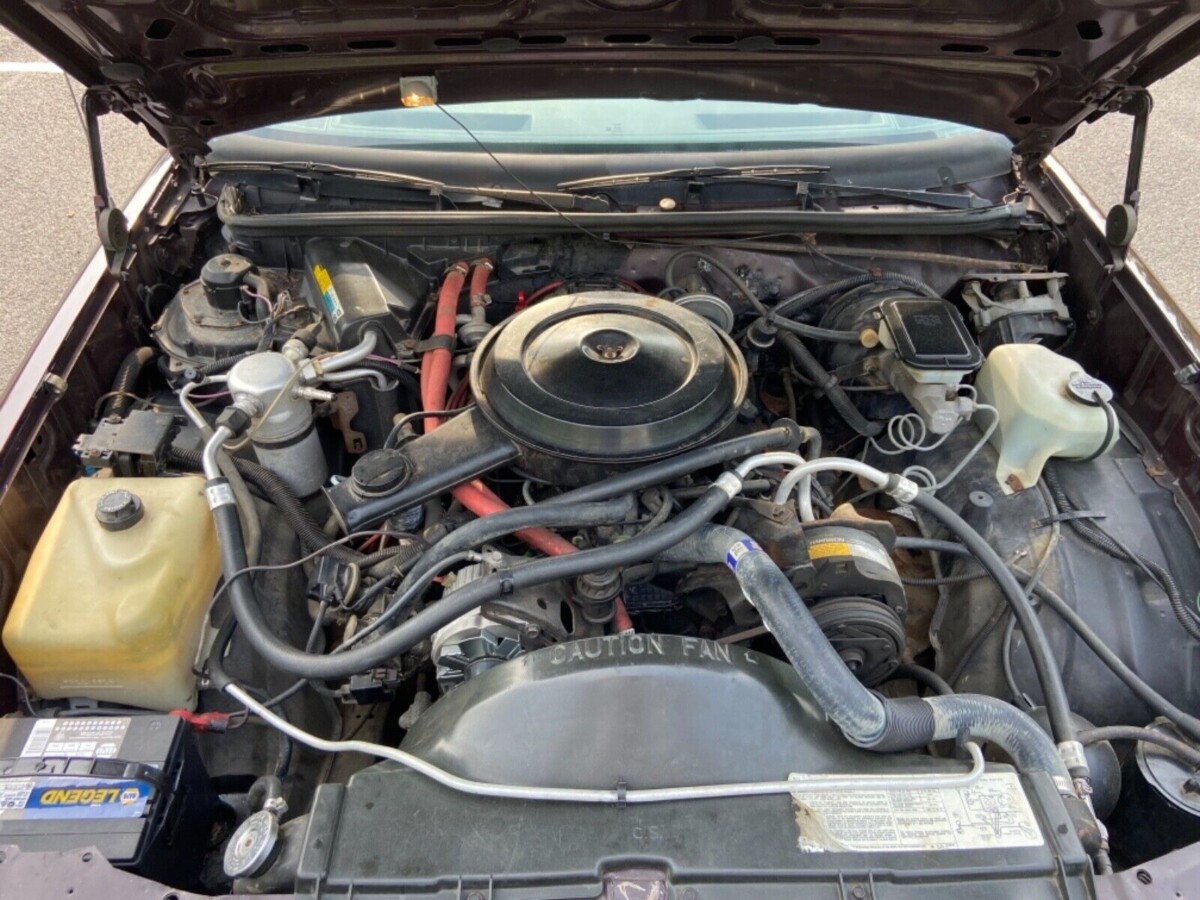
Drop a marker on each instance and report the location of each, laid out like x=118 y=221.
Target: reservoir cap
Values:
x=119 y=509
x=1086 y=389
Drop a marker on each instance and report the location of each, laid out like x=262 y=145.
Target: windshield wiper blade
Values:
x=698 y=173
x=430 y=186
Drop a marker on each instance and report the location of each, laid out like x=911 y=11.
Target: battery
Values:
x=131 y=786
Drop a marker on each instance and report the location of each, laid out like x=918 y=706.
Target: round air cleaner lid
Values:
x=608 y=376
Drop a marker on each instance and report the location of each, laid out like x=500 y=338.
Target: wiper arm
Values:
x=698 y=173
x=430 y=186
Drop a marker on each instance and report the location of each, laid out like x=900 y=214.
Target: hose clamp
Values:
x=903 y=489
x=1072 y=755
x=219 y=494
x=730 y=483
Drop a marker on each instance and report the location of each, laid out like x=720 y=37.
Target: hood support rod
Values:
x=1121 y=223
x=111 y=224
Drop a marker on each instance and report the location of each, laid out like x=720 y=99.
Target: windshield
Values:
x=631 y=125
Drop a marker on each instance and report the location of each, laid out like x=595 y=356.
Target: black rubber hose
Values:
x=1049 y=675
x=216 y=653
x=945 y=579
x=275 y=489
x=215 y=668
x=954 y=548
x=224 y=364
x=867 y=719
x=1174 y=745
x=1185 y=722
x=475 y=532
x=540 y=515
x=311 y=534
x=401 y=558
x=736 y=280
x=408 y=381
x=811 y=366
x=126 y=380
x=1100 y=539
x=814 y=332
x=812 y=296
x=924 y=677
x=420 y=627
x=266 y=787
x=783 y=435
x=771 y=316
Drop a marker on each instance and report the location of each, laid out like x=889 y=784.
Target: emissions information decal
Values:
x=992 y=813
x=64 y=797
x=328 y=294
x=91 y=738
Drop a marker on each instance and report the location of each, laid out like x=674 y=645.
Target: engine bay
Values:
x=418 y=567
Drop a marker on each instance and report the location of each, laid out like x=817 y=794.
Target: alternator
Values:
x=472 y=643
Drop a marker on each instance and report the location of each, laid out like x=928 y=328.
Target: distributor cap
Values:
x=608 y=377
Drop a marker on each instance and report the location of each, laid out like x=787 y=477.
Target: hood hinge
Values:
x=1121 y=223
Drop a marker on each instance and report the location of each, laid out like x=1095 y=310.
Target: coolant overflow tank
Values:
x=113 y=602
x=1048 y=408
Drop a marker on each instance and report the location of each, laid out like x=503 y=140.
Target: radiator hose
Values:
x=867 y=719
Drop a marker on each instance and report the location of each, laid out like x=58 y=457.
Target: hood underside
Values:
x=1029 y=69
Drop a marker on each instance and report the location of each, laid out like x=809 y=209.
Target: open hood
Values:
x=193 y=69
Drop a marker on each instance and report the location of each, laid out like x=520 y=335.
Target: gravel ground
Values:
x=48 y=231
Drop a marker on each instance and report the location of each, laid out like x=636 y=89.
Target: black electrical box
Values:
x=358 y=286
x=132 y=786
x=134 y=445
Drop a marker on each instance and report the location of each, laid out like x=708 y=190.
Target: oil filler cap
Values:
x=380 y=472
x=119 y=509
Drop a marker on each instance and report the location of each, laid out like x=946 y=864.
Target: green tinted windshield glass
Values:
x=591 y=125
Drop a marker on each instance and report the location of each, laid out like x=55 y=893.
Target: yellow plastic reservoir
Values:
x=113 y=603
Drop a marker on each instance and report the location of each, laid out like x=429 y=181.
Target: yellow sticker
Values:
x=826 y=549
x=328 y=294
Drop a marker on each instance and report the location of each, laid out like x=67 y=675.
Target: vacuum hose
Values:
x=840 y=400
x=126 y=380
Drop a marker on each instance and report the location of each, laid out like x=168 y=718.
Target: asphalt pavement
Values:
x=47 y=231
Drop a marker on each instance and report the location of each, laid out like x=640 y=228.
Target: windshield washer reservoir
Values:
x=117 y=615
